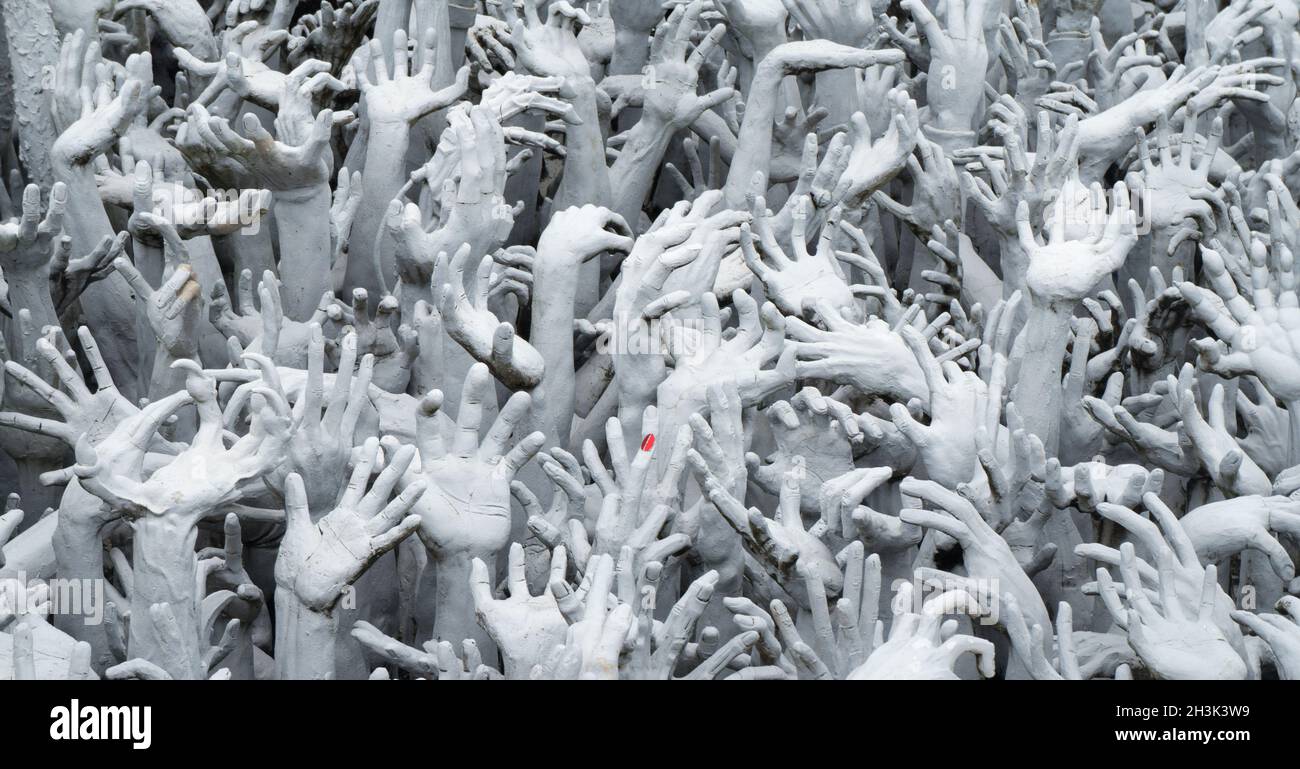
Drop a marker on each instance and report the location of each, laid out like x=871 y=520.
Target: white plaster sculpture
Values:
x=642 y=340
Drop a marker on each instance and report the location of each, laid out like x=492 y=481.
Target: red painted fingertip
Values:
x=648 y=443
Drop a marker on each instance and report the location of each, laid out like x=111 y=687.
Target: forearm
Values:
x=148 y=260
x=29 y=291
x=895 y=568
x=304 y=640
x=107 y=305
x=454 y=615
x=385 y=172
x=637 y=378
x=709 y=126
x=78 y=547
x=950 y=131
x=586 y=176
x=434 y=15
x=632 y=401
x=631 y=52
x=1041 y=348
x=755 y=137
x=1158 y=255
x=552 y=336
x=165 y=380
x=719 y=549
x=32 y=454
x=35 y=455
x=247 y=250
x=1068 y=47
x=591 y=427
x=585 y=181
x=447 y=361
x=460 y=17
x=1116 y=18
x=32 y=39
x=525 y=182
x=305 y=248
x=1293 y=415
x=763 y=44
x=1014 y=261
x=1269 y=126
x=165 y=572
x=79 y=552
x=392 y=16
x=87 y=222
x=31 y=551
x=638 y=166
x=837 y=92
x=1106 y=137
x=955 y=95
x=674 y=412
x=591 y=382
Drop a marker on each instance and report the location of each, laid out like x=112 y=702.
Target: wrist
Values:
x=78 y=548
x=388 y=124
x=455 y=617
x=768 y=72
x=165 y=570
x=1051 y=307
x=583 y=88
x=65 y=162
x=79 y=555
x=558 y=282
x=305 y=639
x=1068 y=32
x=1041 y=349
x=185 y=348
x=648 y=140
x=656 y=125
x=304 y=247
x=31 y=291
x=383 y=174
x=1069 y=45
x=767 y=41
x=633 y=396
x=631 y=52
x=949 y=131
x=849 y=36
x=837 y=91
x=1293 y=415
x=1014 y=260
x=300 y=196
